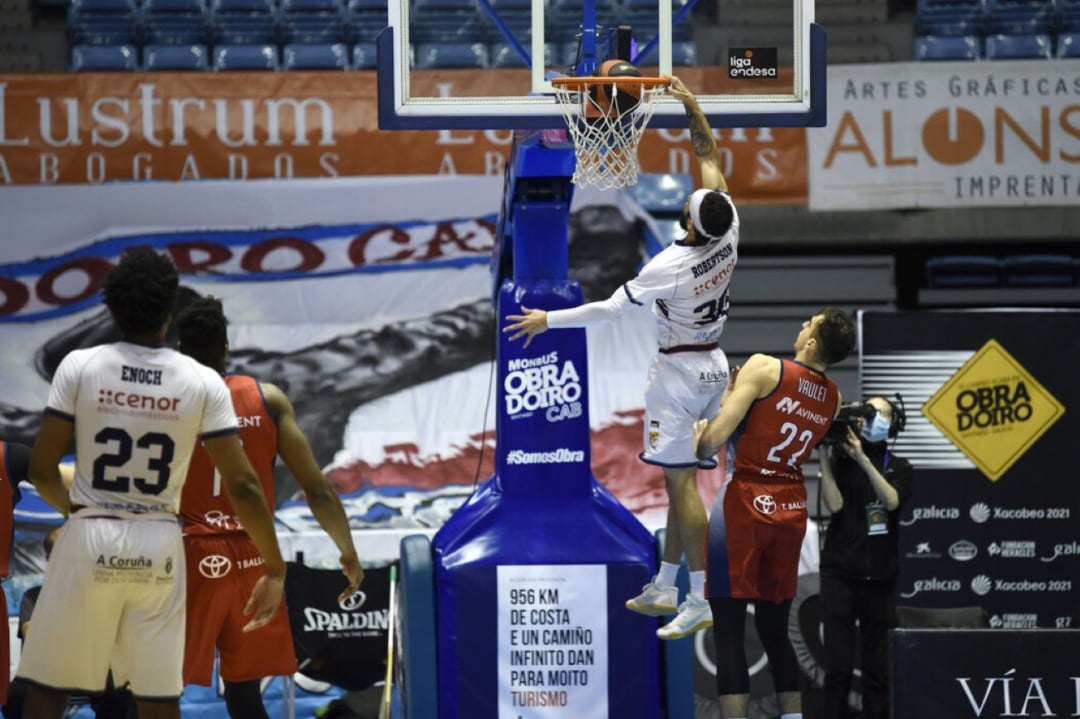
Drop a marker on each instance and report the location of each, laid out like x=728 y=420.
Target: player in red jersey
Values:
x=221 y=560
x=772 y=415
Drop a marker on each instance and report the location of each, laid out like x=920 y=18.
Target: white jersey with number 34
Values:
x=689 y=285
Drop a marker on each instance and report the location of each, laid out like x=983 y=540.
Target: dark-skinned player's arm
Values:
x=247 y=498
x=295 y=450
x=701 y=137
x=51 y=443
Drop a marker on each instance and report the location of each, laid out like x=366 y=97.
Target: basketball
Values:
x=617 y=100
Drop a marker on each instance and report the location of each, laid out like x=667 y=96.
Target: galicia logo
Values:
x=981 y=585
x=979 y=512
x=933 y=584
x=931 y=512
x=963 y=550
x=765 y=504
x=214 y=566
x=353 y=601
x=1072 y=549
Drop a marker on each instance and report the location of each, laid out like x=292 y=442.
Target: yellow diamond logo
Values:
x=993 y=410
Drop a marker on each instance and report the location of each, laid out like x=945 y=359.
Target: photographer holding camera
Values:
x=864 y=486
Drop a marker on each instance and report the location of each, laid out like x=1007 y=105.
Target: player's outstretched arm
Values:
x=245 y=492
x=44 y=473
x=295 y=451
x=528 y=324
x=755 y=379
x=701 y=137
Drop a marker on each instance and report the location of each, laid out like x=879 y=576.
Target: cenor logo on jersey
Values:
x=993 y=410
x=214 y=566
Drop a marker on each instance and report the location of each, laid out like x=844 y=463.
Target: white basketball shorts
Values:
x=114 y=595
x=683 y=387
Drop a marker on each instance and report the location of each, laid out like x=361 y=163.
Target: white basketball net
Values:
x=605 y=141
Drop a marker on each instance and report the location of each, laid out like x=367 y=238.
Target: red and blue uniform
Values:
x=758 y=522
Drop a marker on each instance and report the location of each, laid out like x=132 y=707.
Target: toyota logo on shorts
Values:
x=765 y=504
x=214 y=566
x=353 y=601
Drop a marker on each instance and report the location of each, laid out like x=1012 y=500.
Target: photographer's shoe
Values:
x=655 y=601
x=694 y=615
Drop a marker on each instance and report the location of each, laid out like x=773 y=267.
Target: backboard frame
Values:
x=398 y=110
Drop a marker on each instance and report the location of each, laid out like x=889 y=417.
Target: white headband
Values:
x=695 y=212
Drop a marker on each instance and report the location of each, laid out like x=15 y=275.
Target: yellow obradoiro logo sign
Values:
x=993 y=410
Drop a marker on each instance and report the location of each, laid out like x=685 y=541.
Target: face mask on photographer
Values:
x=876 y=430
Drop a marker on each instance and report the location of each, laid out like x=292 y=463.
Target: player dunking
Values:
x=774 y=413
x=212 y=531
x=114 y=589
x=686 y=285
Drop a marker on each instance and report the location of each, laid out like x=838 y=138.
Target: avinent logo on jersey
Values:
x=993 y=410
x=545 y=384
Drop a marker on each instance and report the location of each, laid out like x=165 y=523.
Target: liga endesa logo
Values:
x=751 y=63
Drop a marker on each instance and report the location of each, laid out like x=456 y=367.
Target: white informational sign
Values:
x=553 y=641
x=956 y=134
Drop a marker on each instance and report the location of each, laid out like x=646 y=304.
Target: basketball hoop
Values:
x=606 y=118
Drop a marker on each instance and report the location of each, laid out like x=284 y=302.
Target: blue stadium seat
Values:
x=175 y=6
x=1039 y=271
x=104 y=58
x=364 y=56
x=315 y=57
x=950 y=21
x=501 y=55
x=1020 y=17
x=243 y=6
x=175 y=57
x=312 y=28
x=313 y=5
x=244 y=28
x=1068 y=44
x=80 y=7
x=662 y=192
x=1018 y=47
x=103 y=22
x=175 y=28
x=963 y=271
x=450 y=55
x=930 y=48
x=246 y=57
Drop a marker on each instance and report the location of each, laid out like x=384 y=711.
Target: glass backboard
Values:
x=486 y=64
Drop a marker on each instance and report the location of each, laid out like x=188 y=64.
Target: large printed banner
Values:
x=992 y=412
x=367 y=300
x=948 y=135
x=95 y=128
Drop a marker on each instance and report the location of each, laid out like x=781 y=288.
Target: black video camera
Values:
x=846 y=418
